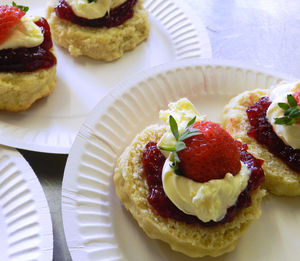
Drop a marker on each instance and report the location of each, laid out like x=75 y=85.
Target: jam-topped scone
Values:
x=190 y=184
x=268 y=122
x=27 y=62
x=100 y=29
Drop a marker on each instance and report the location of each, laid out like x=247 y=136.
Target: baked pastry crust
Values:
x=193 y=240
x=280 y=179
x=18 y=91
x=106 y=44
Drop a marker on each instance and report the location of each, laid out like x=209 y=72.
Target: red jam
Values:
x=115 y=17
x=29 y=59
x=153 y=161
x=263 y=132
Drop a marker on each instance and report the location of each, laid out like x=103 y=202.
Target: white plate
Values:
x=52 y=123
x=97 y=227
x=25 y=222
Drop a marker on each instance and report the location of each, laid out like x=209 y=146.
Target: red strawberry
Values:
x=9 y=17
x=296 y=95
x=209 y=155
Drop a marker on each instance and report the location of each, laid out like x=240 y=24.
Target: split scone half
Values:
x=193 y=240
x=18 y=91
x=280 y=179
x=105 y=44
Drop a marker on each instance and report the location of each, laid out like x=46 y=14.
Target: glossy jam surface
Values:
x=153 y=161
x=29 y=59
x=116 y=16
x=262 y=131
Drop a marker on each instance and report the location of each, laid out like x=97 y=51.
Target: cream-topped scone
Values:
x=265 y=120
x=27 y=60
x=93 y=9
x=197 y=208
x=100 y=29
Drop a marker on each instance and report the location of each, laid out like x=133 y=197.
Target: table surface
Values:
x=263 y=33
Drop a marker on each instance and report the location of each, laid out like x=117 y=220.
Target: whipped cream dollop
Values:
x=93 y=10
x=182 y=111
x=25 y=34
x=209 y=200
x=290 y=134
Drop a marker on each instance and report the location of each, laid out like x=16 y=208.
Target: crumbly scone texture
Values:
x=192 y=240
x=280 y=179
x=105 y=44
x=18 y=91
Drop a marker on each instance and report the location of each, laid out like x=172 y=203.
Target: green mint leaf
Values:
x=291 y=121
x=295 y=113
x=189 y=133
x=282 y=120
x=176 y=158
x=172 y=149
x=291 y=100
x=191 y=122
x=288 y=111
x=283 y=106
x=22 y=7
x=291 y=111
x=174 y=127
x=180 y=146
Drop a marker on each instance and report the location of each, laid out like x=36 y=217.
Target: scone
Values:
x=194 y=216
x=27 y=61
x=277 y=144
x=102 y=30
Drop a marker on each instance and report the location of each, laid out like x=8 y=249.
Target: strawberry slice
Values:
x=209 y=155
x=9 y=17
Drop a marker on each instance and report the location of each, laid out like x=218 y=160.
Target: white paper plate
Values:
x=52 y=124
x=25 y=222
x=97 y=227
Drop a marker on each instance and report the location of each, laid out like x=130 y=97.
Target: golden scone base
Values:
x=18 y=91
x=192 y=240
x=280 y=179
x=105 y=44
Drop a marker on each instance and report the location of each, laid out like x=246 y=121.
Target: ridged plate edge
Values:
x=28 y=228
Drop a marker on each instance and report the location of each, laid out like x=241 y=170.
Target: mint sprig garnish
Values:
x=291 y=111
x=179 y=145
x=22 y=7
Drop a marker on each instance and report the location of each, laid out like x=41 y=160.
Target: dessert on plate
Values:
x=267 y=120
x=27 y=61
x=100 y=29
x=189 y=184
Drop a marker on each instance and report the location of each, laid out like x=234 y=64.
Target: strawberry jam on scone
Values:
x=204 y=169
x=189 y=183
